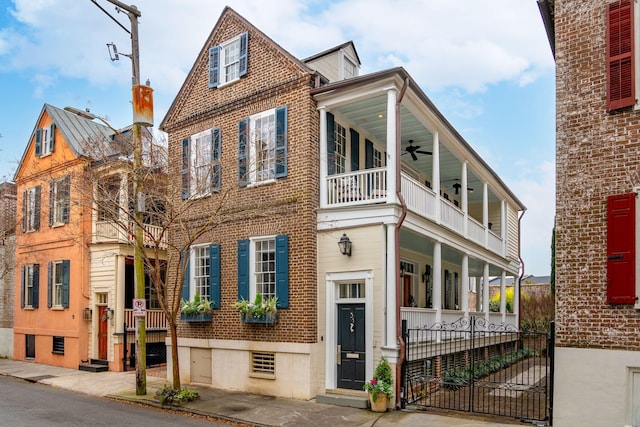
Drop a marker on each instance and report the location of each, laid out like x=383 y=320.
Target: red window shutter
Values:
x=620 y=57
x=621 y=249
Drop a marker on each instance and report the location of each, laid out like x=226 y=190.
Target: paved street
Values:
x=31 y=404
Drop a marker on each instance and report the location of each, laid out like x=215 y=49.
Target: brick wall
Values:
x=284 y=207
x=598 y=154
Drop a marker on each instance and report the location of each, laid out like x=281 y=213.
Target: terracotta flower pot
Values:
x=380 y=404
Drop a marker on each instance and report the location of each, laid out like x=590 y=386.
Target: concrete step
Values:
x=360 y=402
x=93 y=367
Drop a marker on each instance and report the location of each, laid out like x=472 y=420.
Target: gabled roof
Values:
x=83 y=135
x=335 y=49
x=188 y=80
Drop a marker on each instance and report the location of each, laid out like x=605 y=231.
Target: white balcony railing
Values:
x=154 y=319
x=370 y=186
x=108 y=231
x=426 y=317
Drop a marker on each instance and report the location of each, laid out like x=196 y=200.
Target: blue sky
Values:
x=487 y=67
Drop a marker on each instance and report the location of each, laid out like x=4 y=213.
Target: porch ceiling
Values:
x=368 y=116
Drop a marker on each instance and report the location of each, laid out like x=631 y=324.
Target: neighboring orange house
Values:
x=51 y=250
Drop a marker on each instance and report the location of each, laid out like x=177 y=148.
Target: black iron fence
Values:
x=473 y=366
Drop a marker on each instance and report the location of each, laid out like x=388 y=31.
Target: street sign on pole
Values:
x=139 y=307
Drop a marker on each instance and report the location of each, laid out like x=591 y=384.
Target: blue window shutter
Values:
x=52 y=195
x=243 y=57
x=185 y=283
x=214 y=275
x=36 y=222
x=214 y=66
x=281 y=142
x=243 y=152
x=331 y=144
x=216 y=151
x=368 y=154
x=66 y=188
x=65 y=283
x=24 y=211
x=52 y=133
x=49 y=284
x=36 y=286
x=184 y=171
x=243 y=269
x=355 y=150
x=38 y=142
x=282 y=270
x=23 y=277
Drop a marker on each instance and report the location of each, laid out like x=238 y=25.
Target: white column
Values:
x=435 y=177
x=503 y=226
x=465 y=197
x=437 y=280
x=503 y=296
x=485 y=212
x=391 y=283
x=120 y=279
x=464 y=284
x=516 y=300
x=324 y=167
x=485 y=291
x=392 y=160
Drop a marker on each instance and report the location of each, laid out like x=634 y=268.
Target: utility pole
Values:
x=138 y=262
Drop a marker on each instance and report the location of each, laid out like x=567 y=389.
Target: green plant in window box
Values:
x=198 y=310
x=260 y=310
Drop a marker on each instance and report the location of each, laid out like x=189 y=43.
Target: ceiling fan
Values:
x=413 y=149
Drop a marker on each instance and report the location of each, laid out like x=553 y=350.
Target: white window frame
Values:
x=199 y=263
x=31 y=209
x=377 y=158
x=45 y=141
x=410 y=270
x=28 y=285
x=201 y=167
x=56 y=284
x=262 y=162
x=340 y=138
x=257 y=272
x=230 y=61
x=59 y=201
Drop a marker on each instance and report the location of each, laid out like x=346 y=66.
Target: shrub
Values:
x=537 y=312
x=169 y=396
x=494 y=302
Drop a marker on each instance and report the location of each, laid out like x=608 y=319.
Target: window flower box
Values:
x=267 y=318
x=196 y=317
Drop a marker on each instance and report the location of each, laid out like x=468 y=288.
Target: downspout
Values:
x=403 y=215
x=522 y=266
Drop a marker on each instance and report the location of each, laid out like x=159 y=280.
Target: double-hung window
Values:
x=58 y=284
x=31 y=209
x=202 y=273
x=340 y=148
x=262 y=147
x=45 y=140
x=29 y=280
x=201 y=170
x=263 y=268
x=228 y=61
x=59 y=201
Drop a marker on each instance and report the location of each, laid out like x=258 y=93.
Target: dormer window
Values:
x=228 y=61
x=44 y=140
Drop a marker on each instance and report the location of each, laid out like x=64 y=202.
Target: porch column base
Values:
x=391 y=353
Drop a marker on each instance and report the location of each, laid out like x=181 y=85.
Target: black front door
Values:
x=351 y=346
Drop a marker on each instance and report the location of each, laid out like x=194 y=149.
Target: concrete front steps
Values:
x=351 y=399
x=95 y=365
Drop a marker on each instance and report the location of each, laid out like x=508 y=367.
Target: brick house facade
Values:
x=285 y=158
x=597 y=369
x=7 y=265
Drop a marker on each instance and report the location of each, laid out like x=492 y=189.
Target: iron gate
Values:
x=473 y=366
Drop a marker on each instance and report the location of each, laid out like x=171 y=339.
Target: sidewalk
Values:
x=241 y=408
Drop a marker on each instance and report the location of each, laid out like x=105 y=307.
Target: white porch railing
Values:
x=108 y=231
x=370 y=186
x=426 y=317
x=154 y=319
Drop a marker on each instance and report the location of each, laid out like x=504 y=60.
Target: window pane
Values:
x=201 y=271
x=265 y=267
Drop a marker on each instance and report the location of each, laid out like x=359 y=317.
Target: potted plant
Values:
x=380 y=386
x=198 y=310
x=261 y=310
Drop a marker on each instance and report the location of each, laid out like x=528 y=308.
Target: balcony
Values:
x=369 y=186
x=110 y=232
x=154 y=319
